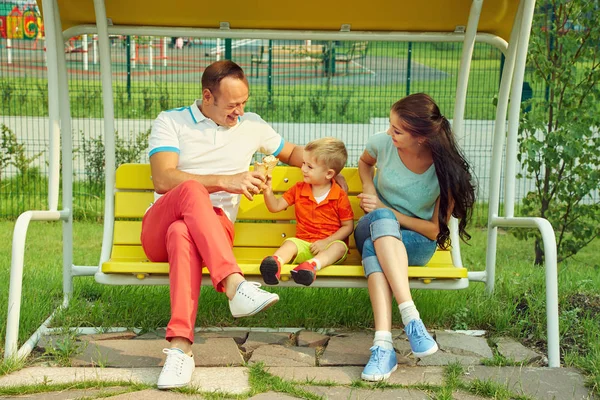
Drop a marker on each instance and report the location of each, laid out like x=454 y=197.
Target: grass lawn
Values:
x=516 y=309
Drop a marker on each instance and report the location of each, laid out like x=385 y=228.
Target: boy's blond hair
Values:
x=329 y=151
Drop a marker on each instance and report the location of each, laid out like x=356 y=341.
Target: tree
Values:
x=559 y=140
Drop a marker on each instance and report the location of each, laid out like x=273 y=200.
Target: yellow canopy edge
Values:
x=376 y=15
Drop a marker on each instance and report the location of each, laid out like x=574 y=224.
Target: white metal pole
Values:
x=150 y=55
x=465 y=67
x=459 y=105
x=84 y=46
x=498 y=149
x=52 y=33
x=218 y=49
x=67 y=160
x=15 y=290
x=95 y=48
x=109 y=128
x=9 y=51
x=515 y=108
x=164 y=55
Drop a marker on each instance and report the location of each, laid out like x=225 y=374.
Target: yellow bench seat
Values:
x=258 y=233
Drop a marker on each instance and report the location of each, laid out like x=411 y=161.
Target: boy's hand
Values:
x=267 y=187
x=319 y=246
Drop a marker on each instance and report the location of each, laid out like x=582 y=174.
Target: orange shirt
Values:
x=318 y=221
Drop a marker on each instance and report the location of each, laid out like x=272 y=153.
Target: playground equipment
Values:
x=504 y=24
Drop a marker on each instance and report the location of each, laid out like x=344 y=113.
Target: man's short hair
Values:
x=329 y=151
x=217 y=71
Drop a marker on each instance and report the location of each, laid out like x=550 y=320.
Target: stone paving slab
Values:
x=537 y=382
x=312 y=339
x=515 y=351
x=272 y=396
x=70 y=394
x=238 y=336
x=232 y=380
x=280 y=356
x=443 y=358
x=347 y=349
x=346 y=375
x=58 y=375
x=155 y=394
x=148 y=353
x=463 y=345
x=108 y=336
x=257 y=339
x=403 y=351
x=346 y=393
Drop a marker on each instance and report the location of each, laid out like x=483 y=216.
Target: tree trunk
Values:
x=539 y=251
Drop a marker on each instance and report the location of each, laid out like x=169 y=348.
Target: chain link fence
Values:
x=305 y=89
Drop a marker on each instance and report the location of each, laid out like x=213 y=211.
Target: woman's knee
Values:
x=384 y=223
x=381 y=213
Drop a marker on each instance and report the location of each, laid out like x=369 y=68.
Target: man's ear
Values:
x=207 y=96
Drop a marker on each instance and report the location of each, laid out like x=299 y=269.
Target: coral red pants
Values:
x=183 y=228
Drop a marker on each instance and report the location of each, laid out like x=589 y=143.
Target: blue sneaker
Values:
x=421 y=342
x=381 y=364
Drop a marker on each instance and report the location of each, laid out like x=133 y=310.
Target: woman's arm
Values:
x=366 y=171
x=429 y=229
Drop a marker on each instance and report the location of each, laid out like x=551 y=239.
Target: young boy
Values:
x=324 y=216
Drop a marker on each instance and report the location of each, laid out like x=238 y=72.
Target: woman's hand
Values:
x=369 y=202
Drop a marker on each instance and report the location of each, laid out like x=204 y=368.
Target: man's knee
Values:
x=176 y=230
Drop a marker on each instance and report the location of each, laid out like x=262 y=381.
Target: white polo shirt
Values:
x=206 y=148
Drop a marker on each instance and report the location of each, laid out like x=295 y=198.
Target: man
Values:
x=199 y=157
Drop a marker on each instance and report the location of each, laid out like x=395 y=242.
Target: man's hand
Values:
x=319 y=246
x=246 y=183
x=339 y=178
x=369 y=202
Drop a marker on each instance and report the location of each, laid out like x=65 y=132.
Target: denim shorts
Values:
x=382 y=222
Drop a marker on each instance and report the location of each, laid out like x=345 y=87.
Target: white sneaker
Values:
x=177 y=371
x=249 y=300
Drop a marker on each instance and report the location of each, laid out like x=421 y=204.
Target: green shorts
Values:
x=304 y=253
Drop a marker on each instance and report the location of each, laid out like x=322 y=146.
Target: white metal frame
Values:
x=59 y=112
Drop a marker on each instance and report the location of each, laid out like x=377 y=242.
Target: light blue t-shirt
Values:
x=398 y=187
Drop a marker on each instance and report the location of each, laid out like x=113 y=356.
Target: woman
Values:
x=422 y=180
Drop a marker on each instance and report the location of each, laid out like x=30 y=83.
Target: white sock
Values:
x=384 y=340
x=317 y=263
x=408 y=311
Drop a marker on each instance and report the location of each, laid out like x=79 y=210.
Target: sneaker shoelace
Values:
x=173 y=362
x=375 y=355
x=419 y=332
x=253 y=288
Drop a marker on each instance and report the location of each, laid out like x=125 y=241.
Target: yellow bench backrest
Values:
x=135 y=192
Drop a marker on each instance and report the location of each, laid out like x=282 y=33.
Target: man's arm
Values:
x=291 y=154
x=166 y=176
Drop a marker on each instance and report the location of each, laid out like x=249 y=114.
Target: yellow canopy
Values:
x=375 y=15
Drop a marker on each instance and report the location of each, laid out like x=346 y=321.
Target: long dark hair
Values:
x=421 y=117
